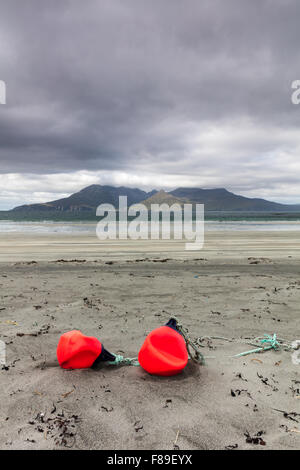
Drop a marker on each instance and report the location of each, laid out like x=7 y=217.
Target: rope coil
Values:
x=271 y=342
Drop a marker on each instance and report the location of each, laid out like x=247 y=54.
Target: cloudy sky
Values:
x=160 y=93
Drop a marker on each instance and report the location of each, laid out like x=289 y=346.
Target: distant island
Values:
x=82 y=205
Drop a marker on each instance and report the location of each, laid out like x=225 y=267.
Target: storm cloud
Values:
x=150 y=94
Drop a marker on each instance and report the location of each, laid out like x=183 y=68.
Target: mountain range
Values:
x=88 y=199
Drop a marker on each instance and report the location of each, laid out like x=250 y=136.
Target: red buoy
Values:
x=164 y=351
x=77 y=351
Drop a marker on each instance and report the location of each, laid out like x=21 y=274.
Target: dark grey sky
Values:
x=159 y=93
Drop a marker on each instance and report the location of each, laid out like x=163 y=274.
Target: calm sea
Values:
x=215 y=221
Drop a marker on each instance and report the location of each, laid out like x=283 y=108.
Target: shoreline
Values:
x=237 y=245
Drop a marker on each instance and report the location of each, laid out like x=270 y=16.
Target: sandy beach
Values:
x=239 y=287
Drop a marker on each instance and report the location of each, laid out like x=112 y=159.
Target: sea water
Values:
x=215 y=224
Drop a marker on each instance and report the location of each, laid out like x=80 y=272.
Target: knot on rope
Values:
x=272 y=340
x=267 y=343
x=196 y=356
x=123 y=361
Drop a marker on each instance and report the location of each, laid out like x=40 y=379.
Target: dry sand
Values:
x=207 y=407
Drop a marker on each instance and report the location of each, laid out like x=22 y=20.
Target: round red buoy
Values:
x=164 y=351
x=77 y=351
